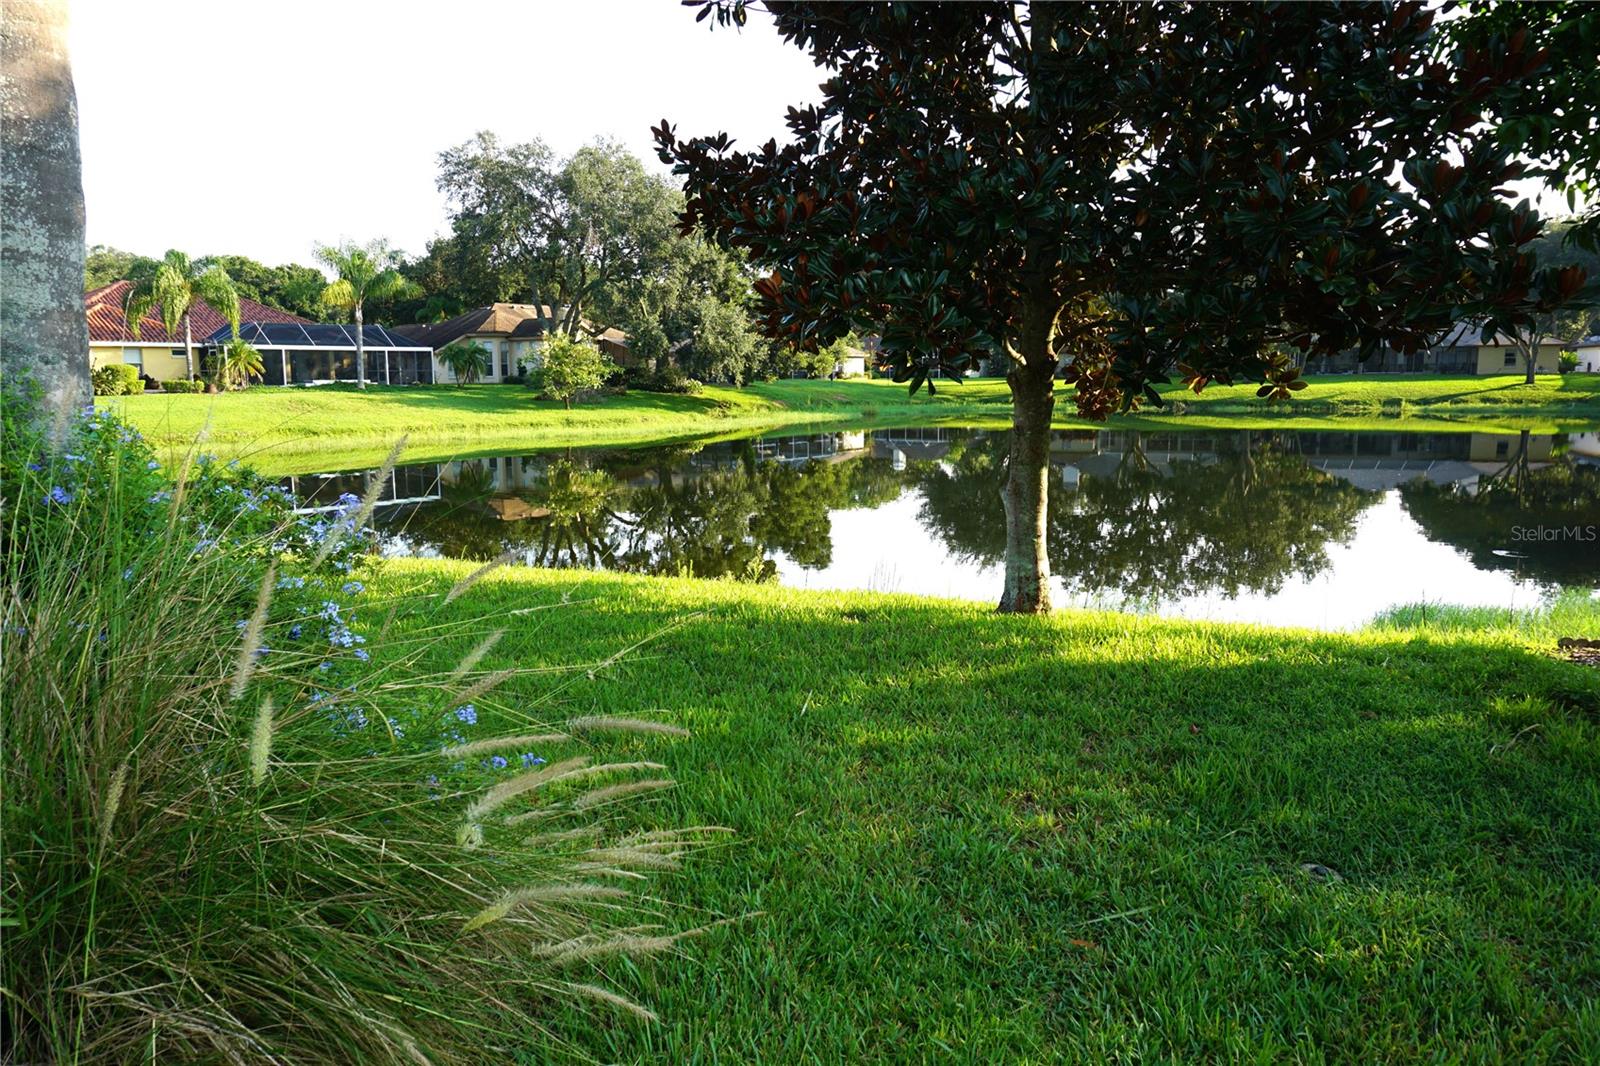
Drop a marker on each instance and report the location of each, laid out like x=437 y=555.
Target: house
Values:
x=1588 y=352
x=1461 y=351
x=310 y=353
x=156 y=354
x=511 y=334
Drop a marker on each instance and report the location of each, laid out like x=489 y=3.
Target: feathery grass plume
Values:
x=119 y=781
x=369 y=501
x=565 y=836
x=180 y=484
x=625 y=942
x=599 y=722
x=516 y=786
x=250 y=643
x=612 y=999
x=625 y=858
x=540 y=894
x=479 y=574
x=582 y=771
x=484 y=684
x=488 y=744
x=473 y=657
x=611 y=792
x=261 y=742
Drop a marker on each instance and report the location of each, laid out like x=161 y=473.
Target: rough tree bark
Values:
x=1026 y=492
x=43 y=333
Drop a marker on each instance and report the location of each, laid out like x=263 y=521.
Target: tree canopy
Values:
x=1136 y=189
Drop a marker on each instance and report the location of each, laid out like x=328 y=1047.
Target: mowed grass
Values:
x=972 y=838
x=297 y=429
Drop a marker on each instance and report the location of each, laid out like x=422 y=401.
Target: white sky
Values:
x=232 y=126
x=310 y=121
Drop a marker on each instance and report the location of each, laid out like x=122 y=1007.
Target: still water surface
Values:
x=1322 y=529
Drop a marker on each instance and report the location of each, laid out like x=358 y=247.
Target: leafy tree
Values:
x=292 y=287
x=43 y=334
x=1129 y=187
x=467 y=362
x=1550 y=118
x=569 y=367
x=105 y=264
x=174 y=285
x=362 y=271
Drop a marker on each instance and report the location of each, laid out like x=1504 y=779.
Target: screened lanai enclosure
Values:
x=295 y=354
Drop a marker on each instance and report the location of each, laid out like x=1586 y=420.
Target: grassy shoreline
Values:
x=1083 y=837
x=295 y=428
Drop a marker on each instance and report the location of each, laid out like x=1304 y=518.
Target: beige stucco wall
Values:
x=1492 y=359
x=159 y=362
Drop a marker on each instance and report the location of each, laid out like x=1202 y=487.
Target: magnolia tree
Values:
x=1126 y=190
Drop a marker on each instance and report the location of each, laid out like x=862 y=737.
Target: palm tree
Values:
x=364 y=271
x=237 y=363
x=43 y=334
x=466 y=361
x=174 y=285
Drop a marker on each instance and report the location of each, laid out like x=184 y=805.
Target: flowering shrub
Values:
x=235 y=828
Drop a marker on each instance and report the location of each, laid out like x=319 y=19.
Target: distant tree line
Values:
x=594 y=237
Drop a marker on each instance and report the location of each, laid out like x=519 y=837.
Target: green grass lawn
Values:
x=297 y=429
x=972 y=838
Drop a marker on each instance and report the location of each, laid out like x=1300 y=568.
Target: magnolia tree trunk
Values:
x=44 y=335
x=1026 y=490
x=361 y=353
x=188 y=345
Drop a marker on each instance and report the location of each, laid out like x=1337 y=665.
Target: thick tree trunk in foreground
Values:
x=43 y=333
x=1026 y=491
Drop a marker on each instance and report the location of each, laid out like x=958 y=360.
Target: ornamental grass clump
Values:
x=231 y=819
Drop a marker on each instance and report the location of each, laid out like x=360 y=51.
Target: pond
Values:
x=1322 y=529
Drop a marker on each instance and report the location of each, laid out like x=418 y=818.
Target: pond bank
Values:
x=1080 y=837
x=293 y=425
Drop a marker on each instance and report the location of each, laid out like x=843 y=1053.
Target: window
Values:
x=134 y=357
x=1502 y=448
x=1511 y=357
x=505 y=359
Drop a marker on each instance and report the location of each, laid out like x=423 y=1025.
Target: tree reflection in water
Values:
x=1242 y=517
x=1535 y=519
x=1159 y=516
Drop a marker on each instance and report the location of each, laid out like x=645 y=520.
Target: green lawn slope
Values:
x=302 y=429
x=972 y=838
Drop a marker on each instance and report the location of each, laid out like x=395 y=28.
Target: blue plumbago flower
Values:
x=152 y=465
x=395 y=727
x=206 y=460
x=263 y=650
x=58 y=495
x=353 y=588
x=35 y=466
x=291 y=582
x=127 y=575
x=361 y=654
x=161 y=497
x=240 y=624
x=330 y=610
x=294 y=631
x=324 y=666
x=433 y=780
x=202 y=545
x=72 y=457
x=468 y=714
x=530 y=759
x=498 y=762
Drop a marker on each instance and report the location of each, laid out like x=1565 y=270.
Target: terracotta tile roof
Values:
x=107 y=324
